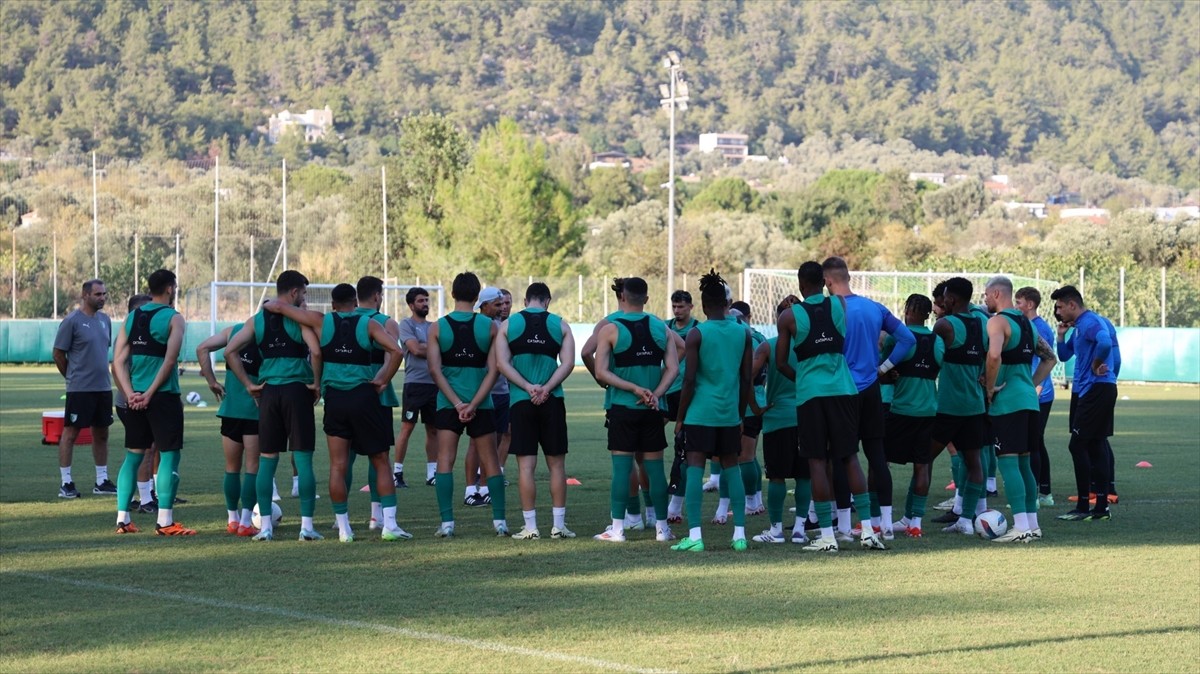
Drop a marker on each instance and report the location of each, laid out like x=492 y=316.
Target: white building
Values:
x=735 y=147
x=314 y=124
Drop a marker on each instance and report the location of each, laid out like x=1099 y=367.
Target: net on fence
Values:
x=236 y=300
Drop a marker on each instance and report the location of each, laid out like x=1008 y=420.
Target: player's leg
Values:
x=554 y=442
x=339 y=452
x=747 y=447
x=272 y=439
x=524 y=423
x=165 y=412
x=448 y=433
x=101 y=422
x=232 y=483
x=483 y=430
x=471 y=496
x=250 y=459
x=527 y=467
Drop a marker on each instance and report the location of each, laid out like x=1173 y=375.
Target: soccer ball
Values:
x=991 y=524
x=193 y=397
x=276 y=516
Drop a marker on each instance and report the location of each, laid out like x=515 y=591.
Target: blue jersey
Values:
x=865 y=318
x=1094 y=338
x=1047 y=335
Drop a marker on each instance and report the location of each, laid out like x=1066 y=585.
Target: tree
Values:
x=726 y=194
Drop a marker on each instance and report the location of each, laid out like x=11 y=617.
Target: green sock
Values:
x=495 y=485
x=633 y=504
x=646 y=495
x=372 y=478
x=249 y=491
x=971 y=495
x=233 y=490
x=918 y=505
x=908 y=499
x=127 y=479
x=1014 y=484
x=657 y=496
x=862 y=504
x=723 y=488
x=694 y=500
x=714 y=467
x=167 y=467
x=340 y=508
x=308 y=483
x=387 y=501
x=737 y=493
x=445 y=495
x=758 y=475
x=989 y=460
x=622 y=464
x=749 y=478
x=350 y=473
x=1031 y=486
x=875 y=511
x=956 y=468
x=803 y=496
x=824 y=514
x=263 y=482
x=776 y=494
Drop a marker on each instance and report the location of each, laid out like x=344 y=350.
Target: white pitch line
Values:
x=350 y=624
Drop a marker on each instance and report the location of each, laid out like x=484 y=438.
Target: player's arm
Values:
x=489 y=379
x=786 y=326
x=412 y=345
x=604 y=374
x=391 y=362
x=62 y=342
x=204 y=356
x=504 y=362
x=670 y=368
x=1043 y=351
x=945 y=330
x=1065 y=347
x=904 y=337
x=590 y=347
x=60 y=361
x=997 y=329
x=305 y=317
x=314 y=356
x=1104 y=346
x=746 y=391
x=244 y=338
x=171 y=359
x=435 y=368
x=758 y=363
x=691 y=350
x=566 y=360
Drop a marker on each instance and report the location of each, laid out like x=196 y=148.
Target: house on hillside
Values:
x=314 y=124
x=935 y=178
x=1097 y=216
x=735 y=147
x=610 y=159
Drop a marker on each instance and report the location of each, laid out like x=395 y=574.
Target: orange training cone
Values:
x=1143 y=464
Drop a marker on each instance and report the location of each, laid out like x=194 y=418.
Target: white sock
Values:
x=798 y=526
x=166 y=517
x=377 y=511
x=247 y=517
x=560 y=517
x=632 y=520
x=957 y=502
x=483 y=491
x=295 y=483
x=343 y=523
x=471 y=489
x=397 y=468
x=876 y=522
x=144 y=491
x=233 y=516
x=306 y=523
x=991 y=484
x=101 y=474
x=1033 y=523
x=982 y=507
x=618 y=527
x=777 y=528
x=266 y=524
x=661 y=527
x=1020 y=522
x=843 y=520
x=722 y=508
x=651 y=515
x=695 y=534
x=430 y=470
x=739 y=533
x=812 y=511
x=530 y=519
x=885 y=514
x=826 y=533
x=914 y=523
x=758 y=503
x=389 y=517
x=65 y=474
x=675 y=508
x=749 y=503
x=274 y=490
x=122 y=517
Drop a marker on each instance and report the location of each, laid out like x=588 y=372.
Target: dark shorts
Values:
x=160 y=424
x=89 y=409
x=870 y=413
x=534 y=425
x=389 y=420
x=907 y=439
x=357 y=416
x=671 y=400
x=638 y=431
x=286 y=421
x=829 y=427
x=965 y=432
x=713 y=441
x=482 y=424
x=1017 y=433
x=781 y=453
x=1092 y=413
x=751 y=426
x=419 y=403
x=236 y=429
x=501 y=411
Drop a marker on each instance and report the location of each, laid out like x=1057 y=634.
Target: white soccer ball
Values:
x=276 y=516
x=991 y=524
x=193 y=397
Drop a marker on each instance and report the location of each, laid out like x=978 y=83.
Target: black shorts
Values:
x=751 y=426
x=907 y=439
x=1092 y=413
x=482 y=424
x=160 y=424
x=286 y=421
x=89 y=409
x=357 y=416
x=638 y=431
x=713 y=441
x=870 y=413
x=1017 y=433
x=830 y=427
x=419 y=402
x=534 y=425
x=236 y=429
x=781 y=453
x=500 y=410
x=965 y=432
x=671 y=400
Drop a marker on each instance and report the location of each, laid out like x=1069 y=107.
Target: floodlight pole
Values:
x=674 y=100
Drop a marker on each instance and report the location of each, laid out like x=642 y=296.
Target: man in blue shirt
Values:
x=1028 y=299
x=1094 y=342
x=865 y=319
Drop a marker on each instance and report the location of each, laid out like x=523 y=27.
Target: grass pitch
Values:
x=1122 y=595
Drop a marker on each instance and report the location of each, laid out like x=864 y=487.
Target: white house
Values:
x=314 y=124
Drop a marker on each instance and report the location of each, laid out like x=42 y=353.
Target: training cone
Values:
x=951 y=487
x=573 y=482
x=1142 y=464
x=365 y=487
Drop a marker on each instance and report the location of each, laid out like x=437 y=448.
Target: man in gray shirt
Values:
x=81 y=354
x=419 y=395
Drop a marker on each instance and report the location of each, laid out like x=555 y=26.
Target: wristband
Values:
x=885 y=366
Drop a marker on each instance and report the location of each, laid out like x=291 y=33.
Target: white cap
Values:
x=487 y=295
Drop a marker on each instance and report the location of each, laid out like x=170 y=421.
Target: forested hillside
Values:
x=1111 y=86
